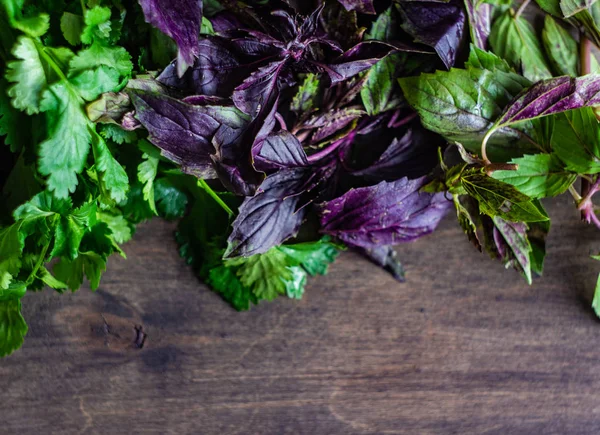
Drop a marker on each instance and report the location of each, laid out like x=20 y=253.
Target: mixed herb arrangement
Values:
x=279 y=132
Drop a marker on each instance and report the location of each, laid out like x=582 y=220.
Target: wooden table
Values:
x=463 y=347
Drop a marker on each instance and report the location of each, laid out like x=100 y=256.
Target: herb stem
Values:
x=38 y=264
x=325 y=151
x=575 y=194
x=202 y=184
x=591 y=190
x=484 y=142
x=50 y=60
x=521 y=8
x=282 y=123
x=585 y=54
x=83 y=8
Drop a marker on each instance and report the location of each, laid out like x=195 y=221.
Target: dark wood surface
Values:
x=463 y=347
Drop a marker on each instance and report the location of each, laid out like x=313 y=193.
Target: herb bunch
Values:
x=279 y=132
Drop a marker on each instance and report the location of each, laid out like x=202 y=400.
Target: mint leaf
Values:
x=538 y=176
x=596 y=300
x=377 y=91
x=12 y=326
x=576 y=141
x=500 y=199
x=462 y=105
x=513 y=38
x=560 y=47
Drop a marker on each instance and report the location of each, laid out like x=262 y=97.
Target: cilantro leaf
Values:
x=224 y=281
x=71 y=26
x=146 y=174
x=12 y=326
x=171 y=201
x=71 y=272
x=314 y=257
x=11 y=247
x=119 y=227
x=265 y=273
x=28 y=75
x=63 y=154
x=113 y=178
x=33 y=26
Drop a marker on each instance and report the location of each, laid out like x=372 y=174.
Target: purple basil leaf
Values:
x=280 y=150
x=216 y=71
x=480 y=21
x=225 y=22
x=204 y=100
x=185 y=133
x=341 y=25
x=551 y=96
x=436 y=24
x=235 y=177
x=513 y=245
x=384 y=214
x=181 y=21
x=362 y=57
x=271 y=216
x=386 y=258
x=362 y=6
x=413 y=155
x=332 y=122
x=260 y=90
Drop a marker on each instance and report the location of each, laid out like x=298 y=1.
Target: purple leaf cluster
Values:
x=270 y=109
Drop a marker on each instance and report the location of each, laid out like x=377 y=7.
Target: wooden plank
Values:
x=463 y=347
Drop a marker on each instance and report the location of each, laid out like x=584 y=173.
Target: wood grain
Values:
x=463 y=347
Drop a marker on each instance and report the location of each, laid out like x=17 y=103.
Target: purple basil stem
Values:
x=271 y=216
x=551 y=96
x=384 y=214
x=362 y=6
x=439 y=25
x=181 y=21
